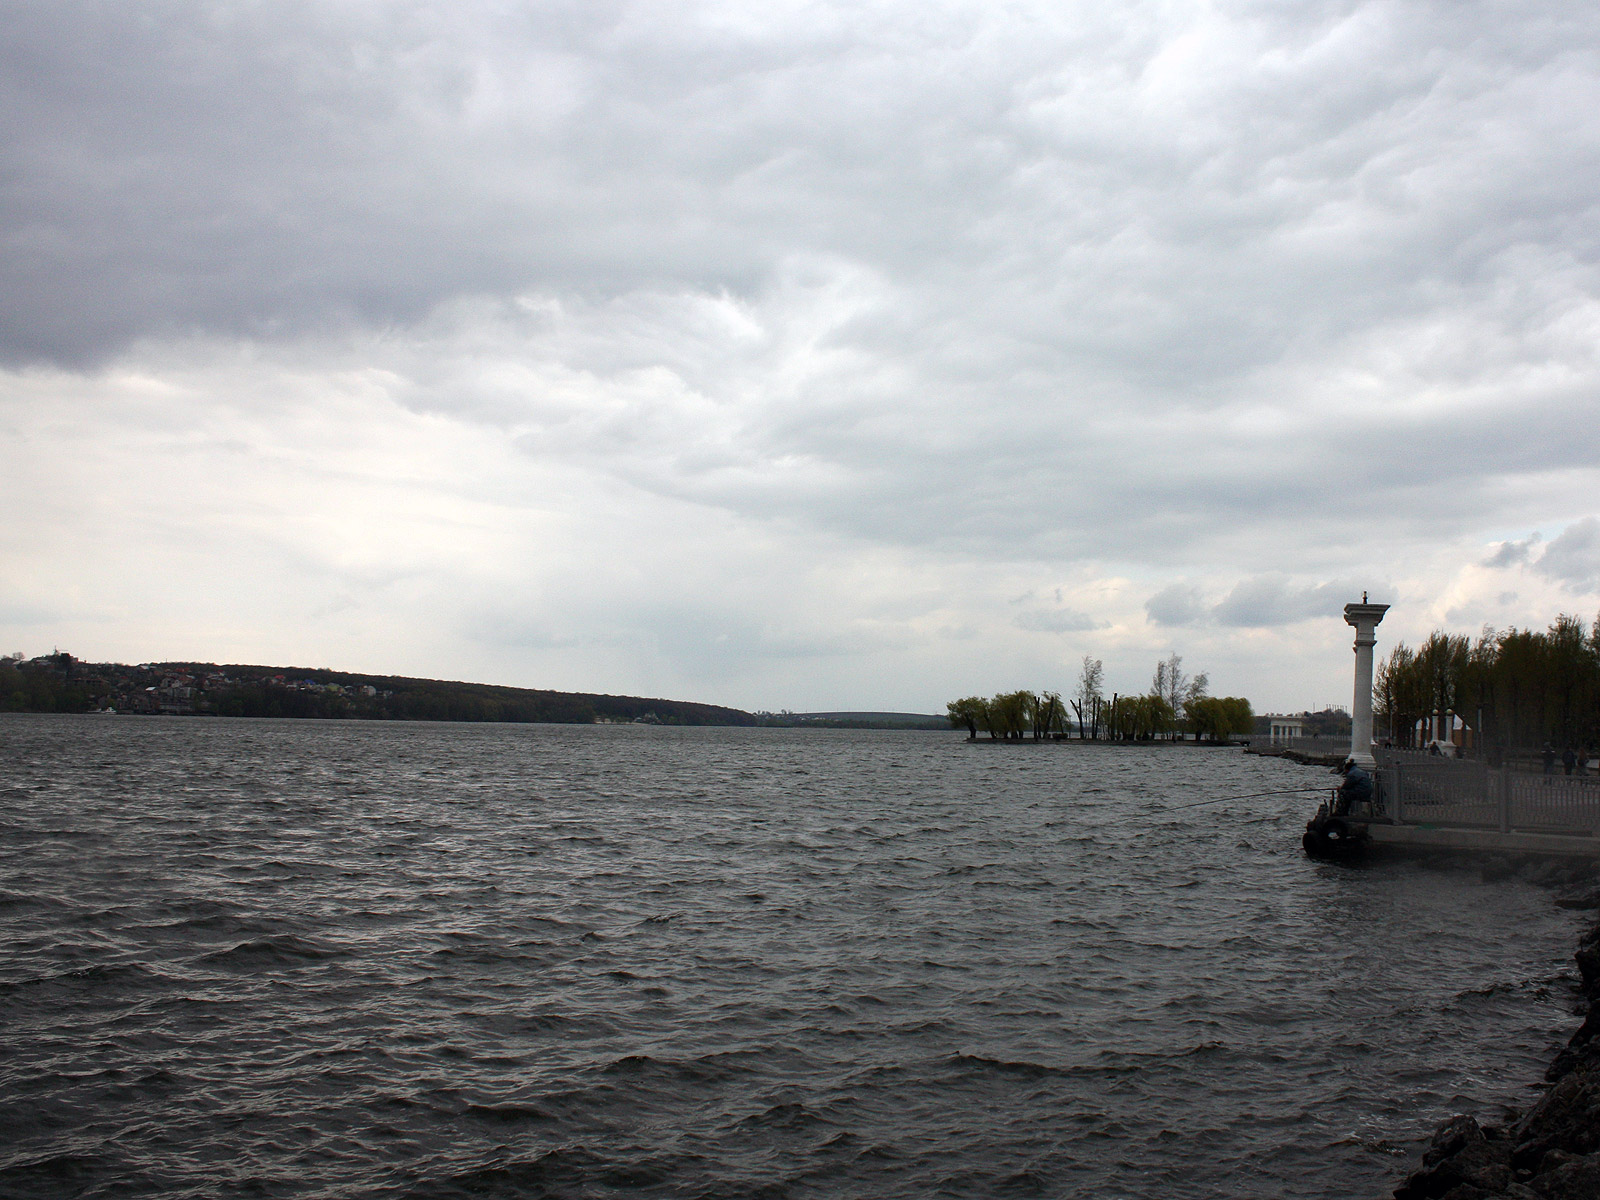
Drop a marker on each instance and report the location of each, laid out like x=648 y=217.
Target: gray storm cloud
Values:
x=1574 y=556
x=1181 y=194
x=1515 y=553
x=1259 y=602
x=1176 y=604
x=1250 y=301
x=1275 y=601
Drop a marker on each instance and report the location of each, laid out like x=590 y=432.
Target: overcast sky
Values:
x=803 y=355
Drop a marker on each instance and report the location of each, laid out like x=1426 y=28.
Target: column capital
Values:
x=1364 y=614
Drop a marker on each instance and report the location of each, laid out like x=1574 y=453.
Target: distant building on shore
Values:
x=1282 y=729
x=1444 y=730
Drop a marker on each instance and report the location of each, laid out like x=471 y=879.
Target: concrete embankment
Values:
x=1306 y=758
x=1427 y=839
x=1553 y=1151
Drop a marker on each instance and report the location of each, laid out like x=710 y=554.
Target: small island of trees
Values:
x=1175 y=706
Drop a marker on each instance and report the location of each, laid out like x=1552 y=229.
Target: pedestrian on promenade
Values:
x=1549 y=757
x=1569 y=759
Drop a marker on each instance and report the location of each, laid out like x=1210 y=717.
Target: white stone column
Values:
x=1364 y=617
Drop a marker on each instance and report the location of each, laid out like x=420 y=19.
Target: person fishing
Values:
x=1356 y=788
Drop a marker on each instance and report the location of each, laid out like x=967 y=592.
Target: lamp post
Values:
x=1364 y=618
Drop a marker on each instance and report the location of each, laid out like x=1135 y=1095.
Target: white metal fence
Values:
x=1422 y=789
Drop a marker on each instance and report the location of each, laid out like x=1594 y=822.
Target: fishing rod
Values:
x=1249 y=796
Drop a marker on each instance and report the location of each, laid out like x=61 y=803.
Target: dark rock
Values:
x=1574 y=1177
x=1567 y=1119
x=1463 y=1162
x=1478 y=1169
x=1561 y=1066
x=1498 y=867
x=1454 y=1136
x=1589 y=1030
x=1588 y=959
x=1586 y=897
x=1557 y=874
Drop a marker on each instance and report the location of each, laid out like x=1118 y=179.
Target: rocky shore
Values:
x=1552 y=1152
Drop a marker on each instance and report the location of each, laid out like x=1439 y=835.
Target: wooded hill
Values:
x=60 y=683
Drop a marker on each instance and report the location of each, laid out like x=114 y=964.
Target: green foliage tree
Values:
x=1087 y=702
x=1009 y=713
x=1219 y=718
x=970 y=712
x=49 y=684
x=1049 y=715
x=1158 y=714
x=1518 y=688
x=13 y=693
x=1169 y=684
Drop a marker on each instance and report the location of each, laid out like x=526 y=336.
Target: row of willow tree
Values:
x=1175 y=705
x=1517 y=688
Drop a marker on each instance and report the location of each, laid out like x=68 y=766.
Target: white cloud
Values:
x=1176 y=604
x=1512 y=553
x=1058 y=620
x=765 y=354
x=1275 y=600
x=1573 y=557
x=1260 y=601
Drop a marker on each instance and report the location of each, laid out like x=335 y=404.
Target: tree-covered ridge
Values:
x=1518 y=688
x=60 y=683
x=1176 y=705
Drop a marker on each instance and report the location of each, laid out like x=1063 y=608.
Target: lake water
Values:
x=328 y=959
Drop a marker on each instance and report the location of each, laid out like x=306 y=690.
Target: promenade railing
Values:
x=1424 y=789
x=1553 y=801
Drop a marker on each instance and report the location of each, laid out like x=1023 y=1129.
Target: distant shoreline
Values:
x=1127 y=743
x=60 y=683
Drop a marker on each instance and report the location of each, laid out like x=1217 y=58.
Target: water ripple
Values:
x=332 y=960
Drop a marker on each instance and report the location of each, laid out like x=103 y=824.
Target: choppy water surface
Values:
x=280 y=958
